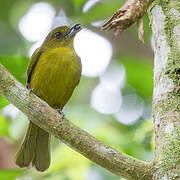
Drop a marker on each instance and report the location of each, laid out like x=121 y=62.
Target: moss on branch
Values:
x=47 y=118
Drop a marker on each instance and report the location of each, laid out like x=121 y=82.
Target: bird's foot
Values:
x=28 y=85
x=32 y=90
x=61 y=113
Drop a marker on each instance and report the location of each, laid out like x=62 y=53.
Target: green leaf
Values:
x=144 y=130
x=147 y=29
x=78 y=3
x=73 y=164
x=101 y=10
x=10 y=174
x=16 y=66
x=11 y=41
x=3 y=102
x=139 y=74
x=4 y=127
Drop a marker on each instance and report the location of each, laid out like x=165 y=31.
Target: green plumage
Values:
x=53 y=73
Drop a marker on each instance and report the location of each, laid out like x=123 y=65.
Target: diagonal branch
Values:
x=132 y=11
x=47 y=118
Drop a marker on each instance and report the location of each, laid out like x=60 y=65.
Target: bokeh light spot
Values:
x=10 y=111
x=95 y=52
x=61 y=19
x=37 y=22
x=35 y=46
x=106 y=99
x=131 y=109
x=88 y=5
x=114 y=76
x=98 y=23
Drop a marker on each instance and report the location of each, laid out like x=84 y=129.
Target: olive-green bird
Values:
x=53 y=73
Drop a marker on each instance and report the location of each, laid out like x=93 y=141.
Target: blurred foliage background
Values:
x=112 y=101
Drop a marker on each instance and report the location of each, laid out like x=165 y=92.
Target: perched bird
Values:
x=53 y=73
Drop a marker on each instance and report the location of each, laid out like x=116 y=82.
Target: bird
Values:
x=53 y=73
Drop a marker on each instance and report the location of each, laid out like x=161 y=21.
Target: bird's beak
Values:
x=73 y=30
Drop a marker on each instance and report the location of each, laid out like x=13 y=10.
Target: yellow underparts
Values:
x=55 y=76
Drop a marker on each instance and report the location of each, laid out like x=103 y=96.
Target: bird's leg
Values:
x=27 y=85
x=31 y=89
x=61 y=113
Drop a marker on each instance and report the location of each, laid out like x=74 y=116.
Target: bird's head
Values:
x=61 y=36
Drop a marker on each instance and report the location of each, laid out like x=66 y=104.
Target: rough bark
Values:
x=166 y=103
x=47 y=118
x=166 y=96
x=132 y=11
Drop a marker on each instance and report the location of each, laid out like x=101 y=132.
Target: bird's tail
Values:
x=35 y=149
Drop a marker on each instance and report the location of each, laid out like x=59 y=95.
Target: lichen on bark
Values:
x=166 y=100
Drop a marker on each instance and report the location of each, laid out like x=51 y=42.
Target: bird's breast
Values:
x=55 y=76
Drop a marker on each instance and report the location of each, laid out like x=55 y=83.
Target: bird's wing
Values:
x=34 y=58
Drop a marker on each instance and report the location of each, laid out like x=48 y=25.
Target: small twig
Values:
x=132 y=11
x=140 y=30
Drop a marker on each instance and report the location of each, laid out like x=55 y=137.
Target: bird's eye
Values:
x=58 y=35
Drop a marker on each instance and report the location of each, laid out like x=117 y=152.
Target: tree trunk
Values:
x=166 y=102
x=166 y=96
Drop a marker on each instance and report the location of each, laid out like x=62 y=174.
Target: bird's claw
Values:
x=32 y=90
x=27 y=85
x=61 y=113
